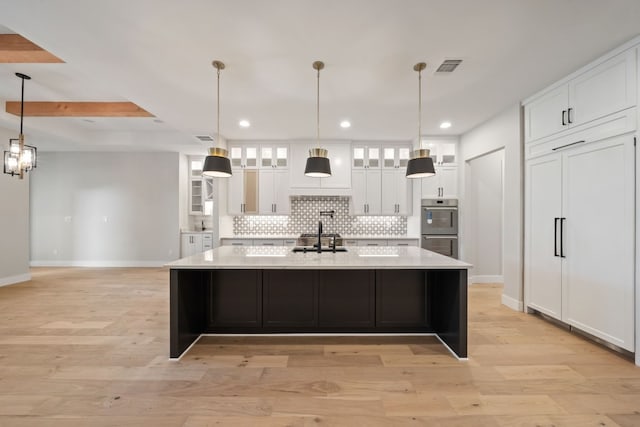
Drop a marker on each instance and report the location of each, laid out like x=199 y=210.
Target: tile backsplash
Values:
x=304 y=216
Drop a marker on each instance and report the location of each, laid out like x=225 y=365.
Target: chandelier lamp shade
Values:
x=420 y=165
x=217 y=164
x=20 y=158
x=318 y=165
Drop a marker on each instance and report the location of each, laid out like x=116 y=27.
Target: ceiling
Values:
x=158 y=53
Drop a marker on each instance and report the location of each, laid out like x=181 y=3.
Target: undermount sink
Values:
x=309 y=249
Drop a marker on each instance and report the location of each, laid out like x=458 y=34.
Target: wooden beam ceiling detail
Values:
x=77 y=109
x=16 y=49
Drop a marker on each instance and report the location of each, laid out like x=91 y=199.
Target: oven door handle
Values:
x=443 y=236
x=439 y=208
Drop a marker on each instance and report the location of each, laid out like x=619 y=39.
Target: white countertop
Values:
x=281 y=257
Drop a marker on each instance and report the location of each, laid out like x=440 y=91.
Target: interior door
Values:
x=598 y=271
x=543 y=204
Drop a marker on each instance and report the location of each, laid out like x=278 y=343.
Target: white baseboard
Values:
x=4 y=281
x=512 y=303
x=486 y=279
x=89 y=263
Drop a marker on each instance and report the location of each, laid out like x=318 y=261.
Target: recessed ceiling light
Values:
x=345 y=124
x=445 y=125
x=244 y=123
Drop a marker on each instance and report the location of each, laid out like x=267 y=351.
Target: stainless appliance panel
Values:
x=439 y=220
x=445 y=245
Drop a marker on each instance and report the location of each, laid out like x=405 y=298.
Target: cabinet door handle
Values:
x=564 y=123
x=562 y=237
x=555 y=236
x=569 y=115
x=568 y=145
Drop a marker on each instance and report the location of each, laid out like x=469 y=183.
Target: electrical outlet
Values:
x=105 y=219
x=67 y=219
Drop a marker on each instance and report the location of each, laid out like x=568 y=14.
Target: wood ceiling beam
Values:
x=77 y=109
x=16 y=49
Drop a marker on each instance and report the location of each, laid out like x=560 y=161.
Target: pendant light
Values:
x=318 y=165
x=20 y=158
x=420 y=165
x=217 y=164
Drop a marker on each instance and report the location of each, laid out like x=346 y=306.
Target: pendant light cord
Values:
x=419 y=108
x=218 y=110
x=21 y=105
x=318 y=110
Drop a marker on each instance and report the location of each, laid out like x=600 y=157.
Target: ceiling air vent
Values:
x=449 y=65
x=205 y=138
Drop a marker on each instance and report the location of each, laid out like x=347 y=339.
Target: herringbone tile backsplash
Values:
x=305 y=213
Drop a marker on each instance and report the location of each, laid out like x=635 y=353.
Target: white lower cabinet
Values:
x=195 y=243
x=579 y=241
x=403 y=242
x=395 y=194
x=366 y=187
x=258 y=242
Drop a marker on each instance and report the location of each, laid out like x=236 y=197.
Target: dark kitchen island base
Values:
x=268 y=301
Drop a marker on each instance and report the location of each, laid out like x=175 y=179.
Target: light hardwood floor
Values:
x=88 y=347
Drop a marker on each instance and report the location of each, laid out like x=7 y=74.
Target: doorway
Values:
x=485 y=189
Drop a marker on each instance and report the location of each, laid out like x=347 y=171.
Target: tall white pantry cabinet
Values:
x=580 y=185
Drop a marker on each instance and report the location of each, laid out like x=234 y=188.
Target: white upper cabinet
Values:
x=244 y=156
x=200 y=189
x=274 y=192
x=395 y=191
x=243 y=192
x=442 y=152
x=604 y=89
x=443 y=185
x=274 y=156
x=366 y=156
x=547 y=114
x=395 y=157
x=367 y=192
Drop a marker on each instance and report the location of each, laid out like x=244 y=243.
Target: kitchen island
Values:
x=269 y=290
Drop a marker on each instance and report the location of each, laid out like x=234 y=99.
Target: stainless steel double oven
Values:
x=439 y=225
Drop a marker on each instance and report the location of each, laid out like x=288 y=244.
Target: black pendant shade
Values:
x=217 y=164
x=317 y=166
x=420 y=167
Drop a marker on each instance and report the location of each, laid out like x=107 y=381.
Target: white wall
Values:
x=484 y=213
x=14 y=223
x=502 y=131
x=105 y=209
